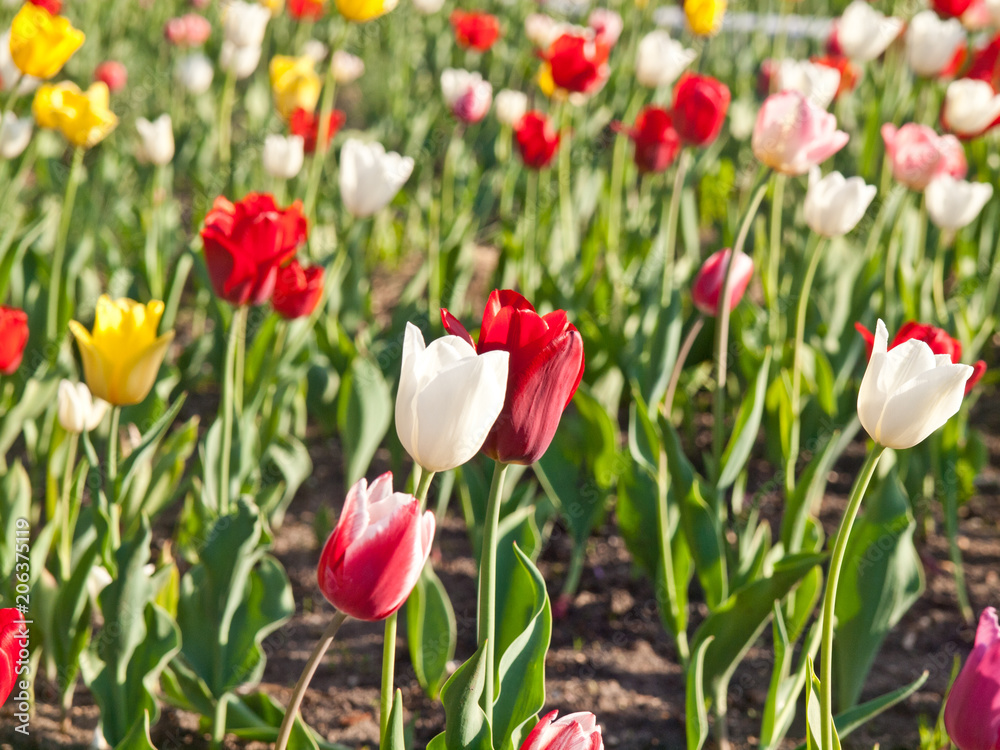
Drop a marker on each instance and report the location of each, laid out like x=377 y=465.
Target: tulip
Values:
x=467 y=95
x=295 y=84
x=370 y=177
x=970 y=107
x=78 y=410
x=157 y=140
x=247 y=242
x=347 y=68
x=951 y=8
x=374 y=556
x=361 y=11
x=189 y=30
x=13 y=338
x=82 y=117
x=10 y=75
x=953 y=204
x=578 y=62
x=660 y=59
x=656 y=141
x=240 y=62
x=606 y=24
x=475 y=30
x=908 y=392
x=40 y=42
x=863 y=33
x=537 y=140
x=15 y=134
x=297 y=290
x=578 y=731
x=931 y=43
x=511 y=106
x=194 y=73
x=705 y=16
x=918 y=154
x=977 y=16
x=112 y=74
x=428 y=7
x=711 y=278
x=972 y=712
x=52 y=6
x=818 y=83
x=843 y=65
x=12 y=639
x=546 y=367
x=792 y=134
x=244 y=24
x=306 y=10
x=700 y=105
x=936 y=338
x=448 y=399
x=316 y=50
x=306 y=124
x=123 y=354
x=283 y=156
x=543 y=30
x=834 y=205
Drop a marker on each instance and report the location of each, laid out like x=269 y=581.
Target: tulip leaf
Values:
x=37 y=396
x=364 y=414
x=431 y=631
x=138 y=737
x=644 y=439
x=786 y=687
x=747 y=426
x=72 y=611
x=814 y=712
x=696 y=714
x=257 y=718
x=847 y=721
x=142 y=454
x=466 y=725
x=290 y=457
x=15 y=504
x=397 y=738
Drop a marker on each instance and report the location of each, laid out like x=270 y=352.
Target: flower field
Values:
x=501 y=376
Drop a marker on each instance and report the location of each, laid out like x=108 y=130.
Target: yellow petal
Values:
x=40 y=43
x=97 y=371
x=360 y=11
x=138 y=375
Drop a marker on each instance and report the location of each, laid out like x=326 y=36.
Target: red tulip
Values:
x=707 y=287
x=656 y=141
x=374 y=556
x=306 y=10
x=13 y=337
x=306 y=124
x=578 y=731
x=545 y=368
x=475 y=30
x=936 y=338
x=189 y=30
x=972 y=713
x=113 y=74
x=11 y=642
x=579 y=63
x=247 y=242
x=986 y=64
x=700 y=105
x=54 y=7
x=950 y=8
x=297 y=290
x=537 y=139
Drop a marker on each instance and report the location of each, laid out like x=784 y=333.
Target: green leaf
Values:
x=696 y=715
x=138 y=737
x=737 y=452
x=814 y=733
x=466 y=726
x=397 y=739
x=290 y=457
x=257 y=717
x=142 y=455
x=847 y=721
x=364 y=413
x=431 y=631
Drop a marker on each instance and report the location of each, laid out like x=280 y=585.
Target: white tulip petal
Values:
x=953 y=204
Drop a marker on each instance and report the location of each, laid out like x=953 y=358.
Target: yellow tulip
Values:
x=41 y=43
x=705 y=16
x=275 y=6
x=360 y=11
x=123 y=354
x=83 y=117
x=295 y=84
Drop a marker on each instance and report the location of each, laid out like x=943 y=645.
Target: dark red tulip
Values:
x=113 y=74
x=936 y=338
x=950 y=8
x=656 y=141
x=537 y=139
x=11 y=642
x=986 y=64
x=306 y=124
x=579 y=63
x=544 y=371
x=247 y=242
x=13 y=337
x=297 y=290
x=475 y=30
x=711 y=279
x=700 y=105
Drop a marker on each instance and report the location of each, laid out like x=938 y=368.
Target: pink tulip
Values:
x=113 y=74
x=189 y=30
x=707 y=287
x=577 y=731
x=792 y=134
x=918 y=154
x=374 y=556
x=972 y=714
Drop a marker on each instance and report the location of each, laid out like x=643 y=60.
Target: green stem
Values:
x=773 y=256
x=488 y=584
x=58 y=255
x=154 y=276
x=66 y=511
x=227 y=409
x=219 y=722
x=565 y=187
x=310 y=669
x=319 y=156
x=448 y=177
x=830 y=598
x=667 y=554
x=945 y=240
x=239 y=376
x=226 y=117
x=116 y=412
x=529 y=268
x=682 y=355
x=683 y=164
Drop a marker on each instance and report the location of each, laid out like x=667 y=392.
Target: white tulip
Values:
x=511 y=106
x=244 y=24
x=661 y=59
x=10 y=74
x=15 y=134
x=953 y=204
x=931 y=42
x=607 y=24
x=156 y=145
x=240 y=61
x=448 y=399
x=78 y=409
x=428 y=7
x=542 y=30
x=818 y=83
x=315 y=49
x=970 y=106
x=370 y=177
x=283 y=155
x=467 y=95
x=834 y=205
x=347 y=68
x=194 y=72
x=863 y=33
x=908 y=392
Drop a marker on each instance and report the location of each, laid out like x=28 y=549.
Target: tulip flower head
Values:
x=428 y=7
x=123 y=354
x=283 y=156
x=347 y=68
x=306 y=10
x=578 y=731
x=711 y=278
x=306 y=124
x=374 y=556
x=295 y=84
x=12 y=641
x=792 y=134
x=156 y=144
x=843 y=65
x=13 y=338
x=297 y=290
x=656 y=141
x=361 y=11
x=537 y=140
x=448 y=399
x=543 y=30
x=700 y=106
x=578 y=62
x=467 y=95
x=243 y=28
x=971 y=107
x=475 y=30
x=546 y=367
x=370 y=177
x=194 y=73
x=112 y=74
x=511 y=106
x=834 y=205
x=661 y=59
x=83 y=117
x=40 y=42
x=918 y=154
x=972 y=713
x=932 y=43
x=818 y=83
x=606 y=24
x=908 y=392
x=863 y=33
x=189 y=30
x=950 y=8
x=78 y=410
x=15 y=134
x=704 y=17
x=953 y=204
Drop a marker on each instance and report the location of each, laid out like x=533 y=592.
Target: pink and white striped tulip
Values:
x=578 y=731
x=792 y=134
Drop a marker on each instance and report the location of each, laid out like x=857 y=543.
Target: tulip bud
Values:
x=833 y=205
x=294 y=83
x=362 y=11
x=970 y=107
x=297 y=291
x=374 y=556
x=13 y=338
x=12 y=640
x=347 y=68
x=863 y=33
x=711 y=279
x=656 y=141
x=448 y=399
x=908 y=392
x=792 y=134
x=78 y=410
x=244 y=24
x=578 y=731
x=950 y=8
x=189 y=30
x=370 y=177
x=918 y=154
x=306 y=10
x=241 y=62
x=157 y=140
x=194 y=73
x=467 y=95
x=660 y=59
x=704 y=17
x=931 y=43
x=283 y=156
x=700 y=105
x=511 y=106
x=41 y=42
x=306 y=124
x=537 y=140
x=113 y=74
x=15 y=134
x=972 y=713
x=953 y=204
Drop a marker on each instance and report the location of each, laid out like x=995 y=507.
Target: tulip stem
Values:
x=566 y=186
x=154 y=275
x=488 y=583
x=530 y=235
x=239 y=375
x=322 y=144
x=116 y=412
x=830 y=598
x=310 y=669
x=682 y=355
x=59 y=252
x=226 y=117
x=67 y=513
x=667 y=554
x=227 y=408
x=667 y=288
x=773 y=275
